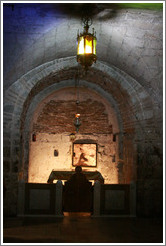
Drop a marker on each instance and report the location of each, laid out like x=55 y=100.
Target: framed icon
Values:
x=84 y=154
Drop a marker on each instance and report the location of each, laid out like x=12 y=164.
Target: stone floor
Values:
x=85 y=229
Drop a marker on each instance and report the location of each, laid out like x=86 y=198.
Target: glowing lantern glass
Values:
x=86 y=47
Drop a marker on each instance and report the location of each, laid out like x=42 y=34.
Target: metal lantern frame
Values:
x=86 y=45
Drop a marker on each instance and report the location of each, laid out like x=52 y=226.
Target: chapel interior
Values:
x=101 y=111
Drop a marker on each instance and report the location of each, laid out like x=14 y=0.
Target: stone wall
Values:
x=42 y=160
x=131 y=40
x=135 y=114
x=53 y=122
x=58 y=117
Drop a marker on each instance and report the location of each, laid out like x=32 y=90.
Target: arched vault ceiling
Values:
x=128 y=39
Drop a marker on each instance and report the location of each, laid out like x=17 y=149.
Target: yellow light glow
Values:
x=86 y=50
x=77 y=115
x=80 y=46
x=88 y=46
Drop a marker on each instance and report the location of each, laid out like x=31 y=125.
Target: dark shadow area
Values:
x=78 y=193
x=77 y=229
x=18 y=240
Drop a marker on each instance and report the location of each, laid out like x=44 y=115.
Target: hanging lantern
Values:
x=77 y=122
x=86 y=49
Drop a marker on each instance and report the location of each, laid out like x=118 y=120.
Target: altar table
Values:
x=65 y=175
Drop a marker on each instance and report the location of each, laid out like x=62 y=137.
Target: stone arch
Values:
x=130 y=97
x=17 y=94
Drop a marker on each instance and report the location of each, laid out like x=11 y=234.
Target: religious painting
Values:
x=85 y=154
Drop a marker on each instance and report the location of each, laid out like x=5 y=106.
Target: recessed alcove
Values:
x=53 y=122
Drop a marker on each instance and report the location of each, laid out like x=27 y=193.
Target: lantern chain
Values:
x=77 y=90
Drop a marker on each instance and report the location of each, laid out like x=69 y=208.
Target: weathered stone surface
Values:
x=128 y=44
x=58 y=117
x=6 y=151
x=119 y=40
